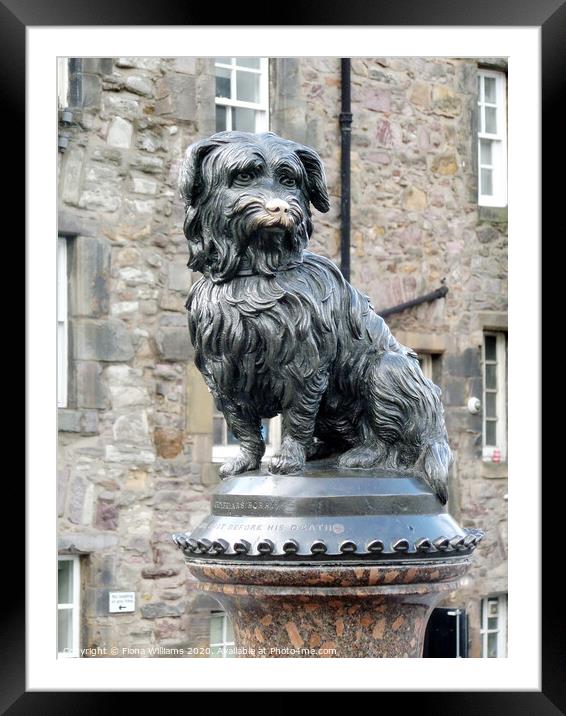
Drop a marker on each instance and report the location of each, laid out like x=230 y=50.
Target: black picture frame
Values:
x=550 y=16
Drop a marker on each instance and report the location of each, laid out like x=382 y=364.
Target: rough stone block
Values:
x=121 y=375
x=132 y=428
x=72 y=172
x=120 y=133
x=159 y=572
x=445 y=165
x=77 y=500
x=77 y=421
x=97 y=65
x=168 y=442
x=107 y=340
x=106 y=515
x=125 y=107
x=445 y=102
x=74 y=224
x=62 y=483
x=101 y=198
x=85 y=542
x=129 y=455
x=149 y=165
x=173 y=343
x=179 y=97
x=161 y=609
x=187 y=65
x=144 y=185
x=139 y=85
x=88 y=89
x=128 y=397
x=90 y=295
x=179 y=277
x=414 y=199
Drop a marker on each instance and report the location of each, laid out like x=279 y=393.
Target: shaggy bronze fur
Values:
x=277 y=329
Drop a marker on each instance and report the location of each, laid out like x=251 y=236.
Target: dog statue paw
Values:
x=238 y=464
x=277 y=329
x=291 y=458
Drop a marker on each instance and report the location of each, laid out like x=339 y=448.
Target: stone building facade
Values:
x=136 y=423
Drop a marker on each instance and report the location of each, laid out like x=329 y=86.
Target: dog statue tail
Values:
x=436 y=463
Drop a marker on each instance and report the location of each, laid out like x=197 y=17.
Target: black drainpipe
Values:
x=427 y=298
x=346 y=136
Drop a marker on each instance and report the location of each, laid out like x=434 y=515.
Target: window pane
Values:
x=490 y=348
x=218 y=431
x=492 y=646
x=221 y=118
x=232 y=439
x=216 y=629
x=247 y=87
x=223 y=83
x=216 y=652
x=486 y=146
x=490 y=120
x=229 y=630
x=479 y=88
x=492 y=623
x=489 y=90
x=491 y=377
x=65 y=582
x=490 y=433
x=487 y=182
x=224 y=60
x=248 y=62
x=492 y=606
x=243 y=120
x=490 y=409
x=64 y=630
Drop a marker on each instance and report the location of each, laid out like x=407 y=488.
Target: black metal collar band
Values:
x=245 y=271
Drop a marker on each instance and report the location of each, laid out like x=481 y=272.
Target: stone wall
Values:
x=130 y=472
x=135 y=439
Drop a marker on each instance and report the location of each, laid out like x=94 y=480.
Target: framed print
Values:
x=106 y=131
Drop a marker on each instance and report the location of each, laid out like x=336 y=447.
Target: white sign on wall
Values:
x=121 y=602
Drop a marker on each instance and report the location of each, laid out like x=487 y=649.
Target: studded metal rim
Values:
x=348 y=549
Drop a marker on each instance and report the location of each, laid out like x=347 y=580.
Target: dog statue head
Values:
x=247 y=203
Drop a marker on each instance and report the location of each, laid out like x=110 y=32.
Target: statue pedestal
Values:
x=328 y=563
x=330 y=611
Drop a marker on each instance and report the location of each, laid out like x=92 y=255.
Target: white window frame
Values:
x=74 y=605
x=500 y=391
x=62 y=323
x=221 y=453
x=500 y=630
x=498 y=140
x=425 y=359
x=224 y=643
x=261 y=108
x=63 y=82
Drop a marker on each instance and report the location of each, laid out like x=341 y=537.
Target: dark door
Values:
x=446 y=634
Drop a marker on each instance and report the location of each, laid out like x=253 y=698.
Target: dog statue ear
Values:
x=190 y=180
x=316 y=179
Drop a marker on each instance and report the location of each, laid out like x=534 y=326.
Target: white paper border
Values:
x=521 y=670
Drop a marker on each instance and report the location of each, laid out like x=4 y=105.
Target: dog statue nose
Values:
x=277 y=206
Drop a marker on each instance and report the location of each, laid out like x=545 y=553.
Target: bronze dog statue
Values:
x=277 y=329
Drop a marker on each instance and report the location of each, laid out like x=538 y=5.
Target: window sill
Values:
x=492 y=214
x=494 y=470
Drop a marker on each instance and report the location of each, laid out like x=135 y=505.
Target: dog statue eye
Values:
x=288 y=180
x=244 y=177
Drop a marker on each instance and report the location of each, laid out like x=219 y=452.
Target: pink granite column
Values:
x=330 y=611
